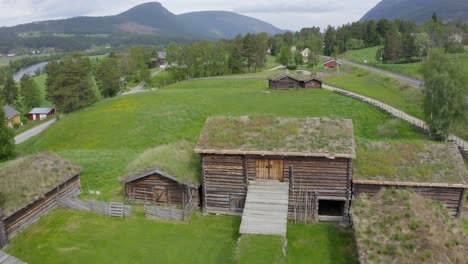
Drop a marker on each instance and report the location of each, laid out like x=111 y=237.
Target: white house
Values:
x=41 y=113
x=305 y=54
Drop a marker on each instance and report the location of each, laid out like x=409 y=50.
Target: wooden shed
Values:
x=331 y=63
x=165 y=175
x=435 y=171
x=158 y=187
x=313 y=155
x=287 y=81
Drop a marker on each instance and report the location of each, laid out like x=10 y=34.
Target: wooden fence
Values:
x=462 y=144
x=170 y=212
x=7 y=259
x=41 y=206
x=106 y=208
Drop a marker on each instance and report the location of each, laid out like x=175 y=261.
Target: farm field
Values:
x=408 y=69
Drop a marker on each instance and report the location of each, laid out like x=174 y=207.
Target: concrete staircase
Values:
x=266 y=209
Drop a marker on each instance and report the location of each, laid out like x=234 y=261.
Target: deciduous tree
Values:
x=10 y=91
x=7 y=140
x=108 y=76
x=30 y=93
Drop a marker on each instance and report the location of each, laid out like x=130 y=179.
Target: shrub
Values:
x=291 y=67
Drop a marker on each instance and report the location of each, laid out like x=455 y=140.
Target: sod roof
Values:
x=411 y=163
x=26 y=179
x=175 y=161
x=266 y=135
x=400 y=226
x=304 y=78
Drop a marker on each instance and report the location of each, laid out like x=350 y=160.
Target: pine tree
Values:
x=10 y=91
x=7 y=137
x=236 y=60
x=30 y=93
x=69 y=83
x=108 y=75
x=329 y=41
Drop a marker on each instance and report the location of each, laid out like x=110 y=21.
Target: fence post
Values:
x=3 y=233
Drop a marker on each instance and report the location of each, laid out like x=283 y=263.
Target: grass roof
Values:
x=400 y=226
x=410 y=162
x=177 y=159
x=25 y=179
x=266 y=135
x=282 y=75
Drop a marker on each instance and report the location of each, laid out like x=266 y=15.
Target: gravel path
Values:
x=140 y=87
x=33 y=131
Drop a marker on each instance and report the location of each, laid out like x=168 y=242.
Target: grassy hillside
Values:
x=105 y=137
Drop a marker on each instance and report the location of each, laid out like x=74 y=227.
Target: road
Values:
x=140 y=87
x=403 y=78
x=33 y=131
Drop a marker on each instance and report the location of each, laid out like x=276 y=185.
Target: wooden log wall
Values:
x=312 y=84
x=3 y=233
x=286 y=83
x=224 y=183
x=317 y=178
x=41 y=206
x=451 y=197
x=143 y=190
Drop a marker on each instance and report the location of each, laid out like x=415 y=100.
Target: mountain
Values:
x=151 y=19
x=419 y=10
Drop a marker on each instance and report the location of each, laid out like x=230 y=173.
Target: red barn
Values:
x=332 y=64
x=41 y=113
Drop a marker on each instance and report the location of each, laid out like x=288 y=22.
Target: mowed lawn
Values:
x=65 y=236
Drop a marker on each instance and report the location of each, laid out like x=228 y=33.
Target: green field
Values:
x=408 y=69
x=388 y=90
x=41 y=83
x=79 y=237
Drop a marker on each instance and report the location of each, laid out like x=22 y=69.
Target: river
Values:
x=29 y=70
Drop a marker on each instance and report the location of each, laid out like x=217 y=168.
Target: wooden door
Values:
x=263 y=167
x=160 y=194
x=276 y=170
x=270 y=170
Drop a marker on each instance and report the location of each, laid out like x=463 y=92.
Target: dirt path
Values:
x=140 y=87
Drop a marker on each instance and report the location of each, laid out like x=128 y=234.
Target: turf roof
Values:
x=176 y=161
x=26 y=179
x=266 y=135
x=304 y=78
x=410 y=162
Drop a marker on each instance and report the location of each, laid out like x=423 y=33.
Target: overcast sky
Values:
x=285 y=14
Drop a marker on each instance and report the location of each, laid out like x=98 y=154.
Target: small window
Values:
x=331 y=208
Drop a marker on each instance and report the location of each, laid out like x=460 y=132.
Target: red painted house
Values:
x=332 y=64
x=41 y=113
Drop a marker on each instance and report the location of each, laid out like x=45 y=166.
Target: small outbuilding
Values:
x=160 y=60
x=165 y=175
x=41 y=113
x=435 y=171
x=312 y=155
x=331 y=63
x=12 y=116
x=287 y=81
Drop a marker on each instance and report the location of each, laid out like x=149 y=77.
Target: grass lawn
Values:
x=66 y=236
x=259 y=249
x=320 y=243
x=380 y=87
x=41 y=83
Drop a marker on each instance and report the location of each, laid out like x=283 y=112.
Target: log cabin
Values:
x=313 y=155
x=168 y=175
x=158 y=187
x=32 y=186
x=435 y=171
x=286 y=81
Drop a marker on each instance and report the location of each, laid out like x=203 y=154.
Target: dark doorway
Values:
x=331 y=207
